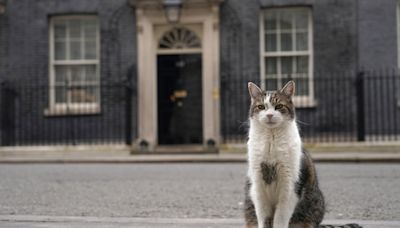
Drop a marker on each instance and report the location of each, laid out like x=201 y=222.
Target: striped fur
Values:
x=282 y=186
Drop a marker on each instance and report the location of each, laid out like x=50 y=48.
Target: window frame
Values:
x=299 y=100
x=69 y=108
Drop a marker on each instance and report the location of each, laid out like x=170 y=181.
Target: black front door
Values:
x=180 y=99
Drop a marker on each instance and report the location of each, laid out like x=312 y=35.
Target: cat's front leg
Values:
x=262 y=206
x=286 y=204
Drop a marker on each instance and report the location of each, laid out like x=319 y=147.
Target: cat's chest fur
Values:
x=274 y=155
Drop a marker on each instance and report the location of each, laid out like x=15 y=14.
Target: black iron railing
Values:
x=341 y=107
x=335 y=107
x=65 y=114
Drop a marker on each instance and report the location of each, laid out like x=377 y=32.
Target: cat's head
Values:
x=272 y=109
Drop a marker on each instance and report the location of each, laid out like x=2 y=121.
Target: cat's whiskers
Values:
x=302 y=122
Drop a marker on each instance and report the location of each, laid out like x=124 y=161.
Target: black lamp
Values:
x=172 y=9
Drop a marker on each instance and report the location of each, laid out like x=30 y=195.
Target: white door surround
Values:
x=199 y=16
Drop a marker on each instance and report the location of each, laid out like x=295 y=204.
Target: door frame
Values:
x=149 y=18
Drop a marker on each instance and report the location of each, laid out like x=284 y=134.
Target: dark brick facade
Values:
x=24 y=42
x=347 y=36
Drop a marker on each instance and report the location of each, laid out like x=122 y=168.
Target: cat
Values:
x=282 y=186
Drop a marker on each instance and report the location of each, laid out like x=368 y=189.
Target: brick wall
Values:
x=27 y=39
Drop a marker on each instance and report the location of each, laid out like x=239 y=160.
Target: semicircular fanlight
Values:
x=179 y=38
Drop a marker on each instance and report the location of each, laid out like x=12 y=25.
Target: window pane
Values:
x=77 y=75
x=286 y=42
x=75 y=50
x=90 y=28
x=61 y=94
x=60 y=30
x=91 y=75
x=270 y=42
x=302 y=64
x=270 y=20
x=271 y=84
x=287 y=65
x=92 y=94
x=75 y=28
x=60 y=50
x=83 y=95
x=61 y=75
x=270 y=65
x=286 y=20
x=77 y=94
x=90 y=50
x=302 y=41
x=302 y=87
x=301 y=19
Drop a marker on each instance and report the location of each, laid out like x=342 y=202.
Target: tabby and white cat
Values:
x=282 y=187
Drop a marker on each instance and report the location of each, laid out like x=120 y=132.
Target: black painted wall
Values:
x=25 y=34
x=348 y=35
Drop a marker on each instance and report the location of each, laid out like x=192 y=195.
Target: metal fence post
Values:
x=2 y=110
x=360 y=106
x=7 y=109
x=128 y=114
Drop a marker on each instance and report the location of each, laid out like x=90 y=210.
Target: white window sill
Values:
x=305 y=102
x=62 y=111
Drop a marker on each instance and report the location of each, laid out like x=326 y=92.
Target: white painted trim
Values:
x=311 y=56
x=148 y=20
x=53 y=107
x=286 y=53
x=262 y=47
x=179 y=51
x=76 y=62
x=76 y=109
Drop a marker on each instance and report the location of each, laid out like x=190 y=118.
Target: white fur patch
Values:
x=277 y=145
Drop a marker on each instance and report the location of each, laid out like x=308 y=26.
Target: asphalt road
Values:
x=210 y=192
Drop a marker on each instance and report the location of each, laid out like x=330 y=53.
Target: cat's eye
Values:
x=279 y=106
x=261 y=107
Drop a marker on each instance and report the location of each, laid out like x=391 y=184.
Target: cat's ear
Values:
x=289 y=88
x=254 y=91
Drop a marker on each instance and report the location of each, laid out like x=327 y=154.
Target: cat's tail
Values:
x=352 y=225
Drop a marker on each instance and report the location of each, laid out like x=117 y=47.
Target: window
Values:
x=286 y=42
x=74 y=65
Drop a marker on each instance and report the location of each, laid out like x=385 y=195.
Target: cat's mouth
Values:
x=271 y=122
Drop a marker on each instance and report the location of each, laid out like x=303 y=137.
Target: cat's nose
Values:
x=269 y=116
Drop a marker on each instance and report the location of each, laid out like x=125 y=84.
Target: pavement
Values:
x=390 y=157
x=115 y=155
x=330 y=152
x=178 y=195
x=89 y=222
